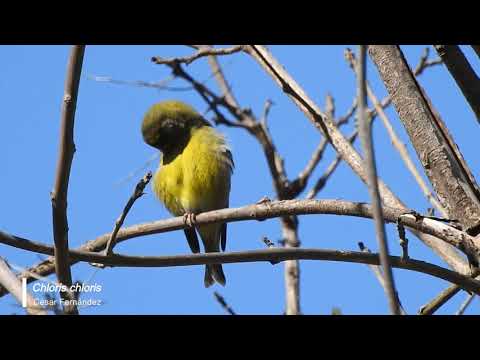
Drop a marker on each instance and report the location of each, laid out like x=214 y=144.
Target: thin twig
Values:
x=137 y=193
x=64 y=163
x=221 y=300
x=346 y=118
x=465 y=304
x=322 y=180
x=403 y=239
x=365 y=131
x=222 y=81
x=199 y=54
x=161 y=85
x=425 y=63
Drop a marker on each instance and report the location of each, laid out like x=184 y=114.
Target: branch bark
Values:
x=397 y=143
x=62 y=176
x=465 y=77
x=271 y=254
x=262 y=211
x=456 y=191
x=443 y=297
x=343 y=147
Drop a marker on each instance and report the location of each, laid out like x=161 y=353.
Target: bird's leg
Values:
x=189 y=219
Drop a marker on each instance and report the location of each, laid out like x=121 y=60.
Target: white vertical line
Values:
x=24 y=292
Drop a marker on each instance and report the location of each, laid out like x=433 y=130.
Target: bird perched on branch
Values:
x=193 y=175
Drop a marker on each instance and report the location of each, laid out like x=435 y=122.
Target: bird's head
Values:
x=167 y=125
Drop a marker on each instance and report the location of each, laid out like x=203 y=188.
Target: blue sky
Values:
x=110 y=147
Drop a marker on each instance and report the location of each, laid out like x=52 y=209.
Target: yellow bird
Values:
x=193 y=175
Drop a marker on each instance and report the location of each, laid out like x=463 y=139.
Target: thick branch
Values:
x=341 y=145
x=397 y=143
x=465 y=77
x=64 y=163
x=451 y=182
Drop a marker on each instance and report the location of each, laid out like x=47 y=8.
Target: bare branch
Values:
x=14 y=286
x=203 y=52
x=267 y=210
x=397 y=143
x=326 y=125
x=465 y=304
x=465 y=77
x=365 y=131
x=330 y=106
x=137 y=193
x=322 y=180
x=274 y=254
x=346 y=118
x=64 y=163
x=457 y=192
x=443 y=297
x=222 y=81
x=301 y=181
x=161 y=85
x=425 y=63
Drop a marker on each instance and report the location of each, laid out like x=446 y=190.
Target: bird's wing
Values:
x=223 y=231
x=192 y=239
x=223 y=235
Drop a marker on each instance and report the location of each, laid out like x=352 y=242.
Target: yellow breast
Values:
x=198 y=179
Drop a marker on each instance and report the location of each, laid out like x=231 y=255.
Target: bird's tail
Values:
x=214 y=272
x=210 y=235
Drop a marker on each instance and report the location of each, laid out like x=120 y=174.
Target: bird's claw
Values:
x=189 y=219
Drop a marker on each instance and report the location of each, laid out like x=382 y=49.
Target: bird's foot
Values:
x=189 y=219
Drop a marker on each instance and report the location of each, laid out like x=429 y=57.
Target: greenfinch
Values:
x=193 y=175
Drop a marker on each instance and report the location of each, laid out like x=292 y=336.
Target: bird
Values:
x=194 y=173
